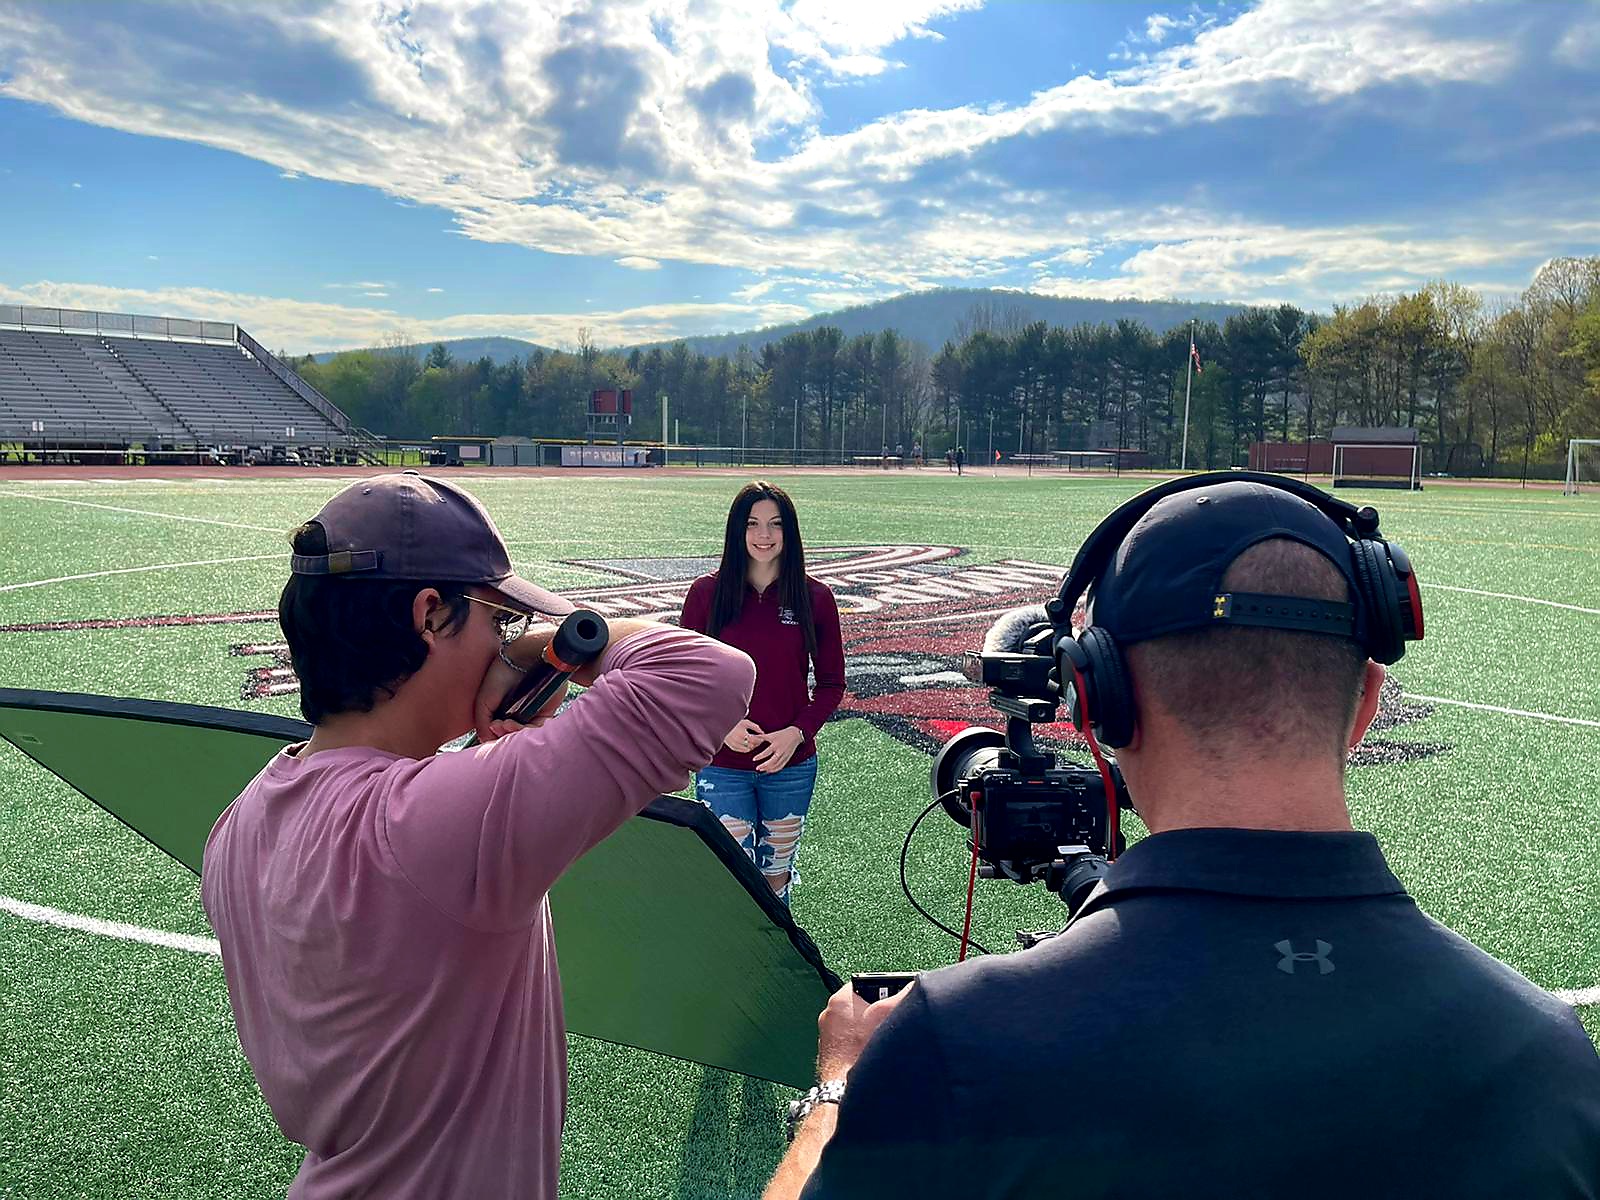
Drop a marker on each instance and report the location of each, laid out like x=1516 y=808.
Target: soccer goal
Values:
x=1378 y=465
x=1583 y=465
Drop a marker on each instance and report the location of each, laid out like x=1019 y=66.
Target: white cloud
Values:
x=77 y=185
x=586 y=129
x=691 y=131
x=1157 y=26
x=1260 y=264
x=1579 y=47
x=302 y=326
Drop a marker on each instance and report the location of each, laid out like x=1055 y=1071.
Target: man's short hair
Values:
x=351 y=639
x=1238 y=688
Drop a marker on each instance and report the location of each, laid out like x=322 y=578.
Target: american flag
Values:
x=1195 y=355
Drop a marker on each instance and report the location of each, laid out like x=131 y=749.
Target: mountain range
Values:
x=930 y=317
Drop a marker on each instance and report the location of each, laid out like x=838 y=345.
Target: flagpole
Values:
x=1188 y=386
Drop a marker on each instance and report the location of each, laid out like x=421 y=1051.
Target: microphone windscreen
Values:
x=1011 y=629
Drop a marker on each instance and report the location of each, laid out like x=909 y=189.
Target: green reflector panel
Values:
x=669 y=939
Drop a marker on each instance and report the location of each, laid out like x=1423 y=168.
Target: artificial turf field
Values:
x=121 y=1076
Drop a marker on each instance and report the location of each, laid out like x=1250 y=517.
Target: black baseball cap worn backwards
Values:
x=411 y=526
x=1155 y=565
x=1166 y=576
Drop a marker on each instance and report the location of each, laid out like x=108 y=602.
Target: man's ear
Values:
x=426 y=607
x=1371 y=686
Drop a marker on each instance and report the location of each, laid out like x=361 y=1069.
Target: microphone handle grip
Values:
x=537 y=686
x=581 y=639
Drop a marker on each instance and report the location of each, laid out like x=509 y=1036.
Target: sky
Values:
x=331 y=173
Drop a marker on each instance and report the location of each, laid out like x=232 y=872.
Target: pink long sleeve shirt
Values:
x=386 y=931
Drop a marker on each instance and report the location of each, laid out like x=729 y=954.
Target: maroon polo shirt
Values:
x=769 y=634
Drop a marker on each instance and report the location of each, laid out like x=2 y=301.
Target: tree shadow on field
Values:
x=735 y=1139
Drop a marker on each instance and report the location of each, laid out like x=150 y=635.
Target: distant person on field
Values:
x=961 y=458
x=1248 y=1004
x=916 y=452
x=761 y=600
x=382 y=908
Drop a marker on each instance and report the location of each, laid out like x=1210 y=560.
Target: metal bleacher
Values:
x=79 y=379
x=48 y=378
x=221 y=394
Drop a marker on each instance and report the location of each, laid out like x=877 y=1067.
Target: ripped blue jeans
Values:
x=764 y=813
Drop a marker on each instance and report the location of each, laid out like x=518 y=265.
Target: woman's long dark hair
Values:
x=793 y=591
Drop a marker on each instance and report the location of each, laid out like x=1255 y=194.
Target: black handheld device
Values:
x=580 y=639
x=873 y=986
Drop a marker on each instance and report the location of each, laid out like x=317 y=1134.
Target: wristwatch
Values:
x=830 y=1092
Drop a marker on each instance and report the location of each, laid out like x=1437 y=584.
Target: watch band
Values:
x=830 y=1092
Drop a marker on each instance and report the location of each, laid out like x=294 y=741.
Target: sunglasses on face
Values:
x=511 y=623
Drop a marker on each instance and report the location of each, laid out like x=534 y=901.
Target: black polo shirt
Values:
x=1235 y=1013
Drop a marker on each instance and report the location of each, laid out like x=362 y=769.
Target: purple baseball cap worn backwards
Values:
x=411 y=526
x=1166 y=576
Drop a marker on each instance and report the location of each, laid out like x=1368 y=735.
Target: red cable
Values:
x=972 y=878
x=1113 y=816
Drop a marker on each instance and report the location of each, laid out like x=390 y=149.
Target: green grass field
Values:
x=121 y=1076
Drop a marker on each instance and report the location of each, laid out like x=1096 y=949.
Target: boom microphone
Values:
x=1011 y=629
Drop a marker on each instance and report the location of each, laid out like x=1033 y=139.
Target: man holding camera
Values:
x=1249 y=1003
x=382 y=908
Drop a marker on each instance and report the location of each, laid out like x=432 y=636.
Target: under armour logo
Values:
x=1287 y=962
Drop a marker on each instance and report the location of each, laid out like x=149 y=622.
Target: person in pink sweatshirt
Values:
x=761 y=600
x=383 y=908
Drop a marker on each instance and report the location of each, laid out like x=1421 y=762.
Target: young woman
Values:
x=762 y=601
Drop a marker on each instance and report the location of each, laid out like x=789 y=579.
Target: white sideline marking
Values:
x=1445 y=587
x=1577 y=997
x=111 y=929
x=203 y=562
x=1510 y=712
x=141 y=512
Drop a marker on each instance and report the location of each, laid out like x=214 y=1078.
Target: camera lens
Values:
x=974 y=749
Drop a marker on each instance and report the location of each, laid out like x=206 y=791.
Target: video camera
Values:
x=1031 y=820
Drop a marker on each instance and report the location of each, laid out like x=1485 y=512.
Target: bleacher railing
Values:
x=82 y=320
x=292 y=381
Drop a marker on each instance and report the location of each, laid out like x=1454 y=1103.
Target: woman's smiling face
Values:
x=763 y=533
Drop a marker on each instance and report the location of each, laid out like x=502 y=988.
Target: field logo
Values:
x=907 y=613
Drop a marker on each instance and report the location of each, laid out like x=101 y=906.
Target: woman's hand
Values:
x=779 y=750
x=744 y=737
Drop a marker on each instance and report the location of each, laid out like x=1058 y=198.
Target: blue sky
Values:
x=332 y=172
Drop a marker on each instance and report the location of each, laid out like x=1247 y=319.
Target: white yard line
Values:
x=111 y=929
x=202 y=562
x=38 y=913
x=1510 y=712
x=141 y=512
x=1445 y=587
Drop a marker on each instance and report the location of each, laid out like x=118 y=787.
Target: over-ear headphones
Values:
x=1092 y=668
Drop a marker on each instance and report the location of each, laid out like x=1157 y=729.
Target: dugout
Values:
x=1314 y=457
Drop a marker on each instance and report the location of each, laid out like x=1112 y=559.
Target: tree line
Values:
x=1493 y=387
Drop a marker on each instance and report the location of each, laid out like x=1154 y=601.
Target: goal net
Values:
x=1378 y=464
x=1583 y=466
